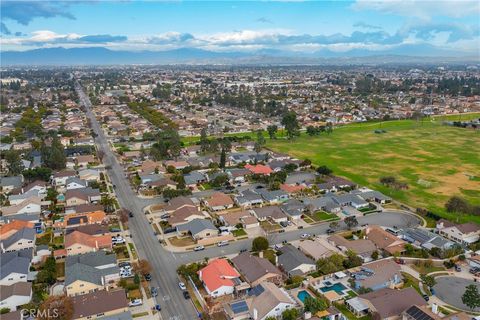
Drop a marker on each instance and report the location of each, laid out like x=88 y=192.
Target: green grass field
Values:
x=435 y=161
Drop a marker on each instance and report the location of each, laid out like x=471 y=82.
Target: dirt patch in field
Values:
x=451 y=184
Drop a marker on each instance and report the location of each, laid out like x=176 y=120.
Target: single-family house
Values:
x=194 y=178
x=242 y=217
x=75 y=183
x=198 y=229
x=90 y=272
x=78 y=243
x=362 y=247
x=7 y=184
x=465 y=233
x=259 y=169
x=218 y=201
x=273 y=213
x=274 y=196
x=59 y=178
x=378 y=275
x=387 y=303
x=294 y=262
x=12 y=227
x=384 y=241
x=22 y=239
x=315 y=249
x=269 y=301
x=218 y=278
x=15 y=295
x=248 y=198
x=31 y=205
x=100 y=304
x=14 y=266
x=256 y=270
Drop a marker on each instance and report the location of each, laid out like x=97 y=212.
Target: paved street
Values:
x=170 y=297
x=165 y=263
x=387 y=219
x=450 y=290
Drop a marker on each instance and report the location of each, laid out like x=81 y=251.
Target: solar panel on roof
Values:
x=256 y=291
x=418 y=314
x=239 y=307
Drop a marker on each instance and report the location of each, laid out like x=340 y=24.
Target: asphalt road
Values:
x=174 y=306
x=451 y=289
x=164 y=263
x=386 y=219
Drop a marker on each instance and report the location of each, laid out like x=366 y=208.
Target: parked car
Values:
x=169 y=230
x=135 y=302
x=458 y=268
x=154 y=292
x=158 y=307
x=330 y=231
x=474 y=270
x=124 y=264
x=186 y=295
x=148 y=277
x=130 y=214
x=182 y=286
x=305 y=236
x=199 y=248
x=222 y=243
x=426 y=297
x=243 y=250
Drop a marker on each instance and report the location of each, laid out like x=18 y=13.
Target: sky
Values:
x=241 y=26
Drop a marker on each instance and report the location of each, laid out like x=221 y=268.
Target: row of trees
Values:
x=460 y=205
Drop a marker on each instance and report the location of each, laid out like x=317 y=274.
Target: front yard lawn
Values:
x=410 y=281
x=322 y=216
x=427 y=269
x=239 y=233
x=121 y=252
x=270 y=255
x=269 y=227
x=181 y=242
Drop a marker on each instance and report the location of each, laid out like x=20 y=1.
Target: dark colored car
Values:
x=169 y=230
x=186 y=295
x=158 y=307
x=148 y=277
x=426 y=297
x=130 y=214
x=330 y=231
x=243 y=250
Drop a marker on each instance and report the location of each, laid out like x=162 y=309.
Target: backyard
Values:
x=435 y=161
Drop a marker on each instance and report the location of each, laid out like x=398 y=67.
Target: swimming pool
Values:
x=302 y=295
x=337 y=287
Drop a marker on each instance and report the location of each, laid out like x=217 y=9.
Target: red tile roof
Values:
x=218 y=273
x=259 y=169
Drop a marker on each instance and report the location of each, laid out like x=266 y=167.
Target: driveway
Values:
x=450 y=290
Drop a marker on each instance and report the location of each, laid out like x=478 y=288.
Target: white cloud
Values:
x=424 y=9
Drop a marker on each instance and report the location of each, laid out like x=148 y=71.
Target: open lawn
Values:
x=436 y=161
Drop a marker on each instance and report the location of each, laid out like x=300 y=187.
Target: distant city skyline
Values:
x=242 y=26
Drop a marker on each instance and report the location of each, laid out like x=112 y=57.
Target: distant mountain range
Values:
x=101 y=56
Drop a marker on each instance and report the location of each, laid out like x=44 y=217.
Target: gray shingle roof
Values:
x=16 y=261
x=196 y=226
x=15 y=181
x=291 y=258
x=93 y=259
x=24 y=233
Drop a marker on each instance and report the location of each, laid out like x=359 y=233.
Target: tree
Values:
x=272 y=131
x=457 y=204
x=290 y=122
x=223 y=158
x=259 y=244
x=352 y=260
x=429 y=281
x=123 y=216
x=314 y=305
x=351 y=222
x=143 y=267
x=324 y=170
x=331 y=264
x=39 y=173
x=56 y=307
x=471 y=297
x=290 y=314
x=108 y=203
x=54 y=156
x=15 y=165
x=334 y=225
x=312 y=131
x=260 y=141
x=204 y=140
x=375 y=255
